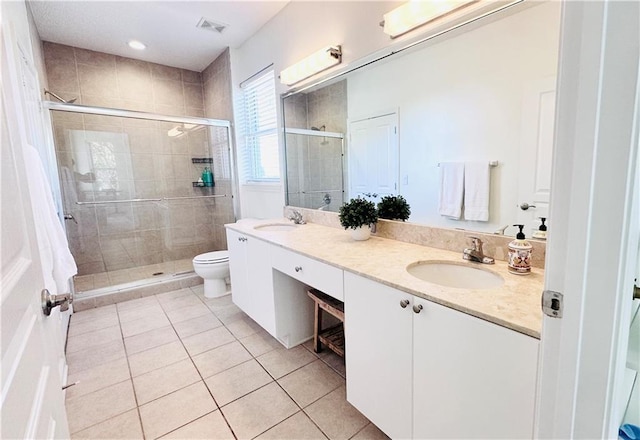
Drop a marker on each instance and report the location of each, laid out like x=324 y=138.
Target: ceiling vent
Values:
x=210 y=25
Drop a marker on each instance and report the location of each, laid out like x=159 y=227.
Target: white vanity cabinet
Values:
x=428 y=371
x=251 y=278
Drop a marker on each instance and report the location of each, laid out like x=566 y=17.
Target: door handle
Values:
x=524 y=206
x=50 y=301
x=70 y=217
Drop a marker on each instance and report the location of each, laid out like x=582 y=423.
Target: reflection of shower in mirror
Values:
x=326 y=200
x=324 y=139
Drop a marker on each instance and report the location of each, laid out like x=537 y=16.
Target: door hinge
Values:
x=552 y=303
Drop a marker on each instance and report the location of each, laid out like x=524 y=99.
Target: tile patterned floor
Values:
x=179 y=365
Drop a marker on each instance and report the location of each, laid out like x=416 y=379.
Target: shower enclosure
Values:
x=135 y=211
x=314 y=168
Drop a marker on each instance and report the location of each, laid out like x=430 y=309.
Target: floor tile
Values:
x=370 y=432
x=95 y=356
x=150 y=339
x=257 y=412
x=123 y=426
x=218 y=304
x=335 y=362
x=211 y=426
x=165 y=380
x=335 y=416
x=91 y=339
x=98 y=377
x=94 y=314
x=228 y=314
x=163 y=298
x=243 y=327
x=157 y=357
x=220 y=359
x=90 y=409
x=283 y=361
x=180 y=302
x=143 y=312
x=296 y=427
x=135 y=303
x=79 y=328
x=237 y=381
x=187 y=312
x=198 y=290
x=174 y=410
x=311 y=382
x=197 y=325
x=260 y=343
x=142 y=325
x=208 y=340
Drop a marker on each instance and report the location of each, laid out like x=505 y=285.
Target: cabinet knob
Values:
x=242 y=238
x=404 y=303
x=417 y=308
x=298 y=268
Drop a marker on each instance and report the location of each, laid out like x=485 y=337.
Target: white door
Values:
x=536 y=151
x=32 y=397
x=372 y=156
x=590 y=247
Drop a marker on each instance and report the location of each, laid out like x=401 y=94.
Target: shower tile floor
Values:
x=84 y=283
x=179 y=365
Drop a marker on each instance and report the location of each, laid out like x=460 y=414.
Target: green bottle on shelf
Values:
x=207 y=177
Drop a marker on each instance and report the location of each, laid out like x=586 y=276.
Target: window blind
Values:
x=261 y=162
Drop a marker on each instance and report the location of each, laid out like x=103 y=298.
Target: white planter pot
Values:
x=361 y=233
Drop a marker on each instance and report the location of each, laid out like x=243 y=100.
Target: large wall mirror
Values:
x=485 y=95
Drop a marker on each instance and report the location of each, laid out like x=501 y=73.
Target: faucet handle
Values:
x=477 y=243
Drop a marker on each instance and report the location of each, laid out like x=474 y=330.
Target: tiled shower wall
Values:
x=150 y=164
x=314 y=164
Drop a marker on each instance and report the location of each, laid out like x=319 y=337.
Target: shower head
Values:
x=321 y=128
x=71 y=101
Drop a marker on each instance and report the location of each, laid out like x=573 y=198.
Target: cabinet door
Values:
x=472 y=378
x=260 y=305
x=238 y=269
x=378 y=353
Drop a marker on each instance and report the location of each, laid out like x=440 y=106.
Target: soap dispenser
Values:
x=541 y=233
x=520 y=254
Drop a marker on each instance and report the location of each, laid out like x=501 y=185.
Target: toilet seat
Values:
x=216 y=257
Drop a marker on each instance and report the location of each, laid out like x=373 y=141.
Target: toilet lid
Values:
x=212 y=257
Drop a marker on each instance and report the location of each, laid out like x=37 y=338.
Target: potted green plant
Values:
x=358 y=214
x=394 y=208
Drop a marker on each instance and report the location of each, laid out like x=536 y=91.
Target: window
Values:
x=260 y=156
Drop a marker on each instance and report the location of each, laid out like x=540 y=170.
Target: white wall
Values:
x=303 y=27
x=462 y=99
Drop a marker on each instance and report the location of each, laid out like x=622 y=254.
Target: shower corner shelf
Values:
x=202 y=160
x=200 y=185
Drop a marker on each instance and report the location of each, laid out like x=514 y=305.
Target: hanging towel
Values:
x=476 y=191
x=451 y=189
x=58 y=265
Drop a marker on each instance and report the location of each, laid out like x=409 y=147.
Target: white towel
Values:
x=58 y=265
x=476 y=191
x=451 y=189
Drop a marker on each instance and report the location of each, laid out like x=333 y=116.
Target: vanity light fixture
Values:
x=315 y=63
x=417 y=13
x=137 y=45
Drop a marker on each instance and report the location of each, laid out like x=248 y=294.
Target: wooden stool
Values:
x=333 y=337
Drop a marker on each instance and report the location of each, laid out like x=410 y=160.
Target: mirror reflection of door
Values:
x=372 y=157
x=534 y=186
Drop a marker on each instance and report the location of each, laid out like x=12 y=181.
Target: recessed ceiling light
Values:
x=135 y=44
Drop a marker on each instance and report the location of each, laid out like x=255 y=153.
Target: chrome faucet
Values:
x=475 y=253
x=500 y=231
x=296 y=217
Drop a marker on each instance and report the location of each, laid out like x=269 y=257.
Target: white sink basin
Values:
x=276 y=227
x=451 y=274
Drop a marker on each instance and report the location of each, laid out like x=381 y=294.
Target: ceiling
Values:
x=168 y=28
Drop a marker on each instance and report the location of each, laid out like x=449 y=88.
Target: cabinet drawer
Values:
x=309 y=271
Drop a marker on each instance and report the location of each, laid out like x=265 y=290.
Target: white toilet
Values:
x=213 y=267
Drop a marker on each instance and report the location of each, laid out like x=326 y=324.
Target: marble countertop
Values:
x=515 y=305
